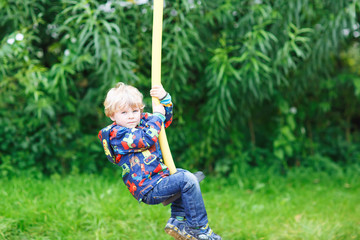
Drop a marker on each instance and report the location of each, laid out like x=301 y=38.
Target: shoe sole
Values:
x=174 y=231
x=175 y=234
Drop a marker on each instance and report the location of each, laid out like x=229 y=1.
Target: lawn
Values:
x=296 y=206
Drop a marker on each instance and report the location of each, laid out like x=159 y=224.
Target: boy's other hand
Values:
x=157 y=107
x=158 y=91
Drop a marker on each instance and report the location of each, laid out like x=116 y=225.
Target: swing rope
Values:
x=156 y=77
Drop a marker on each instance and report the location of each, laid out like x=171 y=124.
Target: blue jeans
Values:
x=190 y=205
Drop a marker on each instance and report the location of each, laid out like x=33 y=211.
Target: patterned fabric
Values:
x=137 y=150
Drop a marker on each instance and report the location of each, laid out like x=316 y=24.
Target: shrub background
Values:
x=272 y=84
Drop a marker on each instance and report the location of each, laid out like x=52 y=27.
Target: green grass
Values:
x=299 y=206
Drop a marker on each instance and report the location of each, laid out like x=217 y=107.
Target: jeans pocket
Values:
x=160 y=199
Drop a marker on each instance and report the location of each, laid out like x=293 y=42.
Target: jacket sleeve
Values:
x=168 y=105
x=104 y=135
x=127 y=140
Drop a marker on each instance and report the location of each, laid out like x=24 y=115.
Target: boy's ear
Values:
x=112 y=118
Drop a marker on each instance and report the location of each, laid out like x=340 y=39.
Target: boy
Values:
x=131 y=142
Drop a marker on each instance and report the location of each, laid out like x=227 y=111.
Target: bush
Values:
x=255 y=83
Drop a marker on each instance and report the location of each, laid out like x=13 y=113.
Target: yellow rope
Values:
x=156 y=76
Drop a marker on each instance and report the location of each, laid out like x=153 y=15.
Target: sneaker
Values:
x=204 y=233
x=174 y=228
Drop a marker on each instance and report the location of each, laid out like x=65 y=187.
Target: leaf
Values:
x=297 y=50
x=97 y=44
x=357 y=86
x=220 y=74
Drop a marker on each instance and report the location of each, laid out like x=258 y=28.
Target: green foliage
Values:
x=255 y=83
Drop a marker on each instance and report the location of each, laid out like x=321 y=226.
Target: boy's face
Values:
x=127 y=117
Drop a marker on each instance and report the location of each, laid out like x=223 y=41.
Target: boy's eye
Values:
x=135 y=111
x=123 y=112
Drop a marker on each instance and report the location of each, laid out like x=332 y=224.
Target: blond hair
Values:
x=121 y=96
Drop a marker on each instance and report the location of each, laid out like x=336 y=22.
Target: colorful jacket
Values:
x=137 y=150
